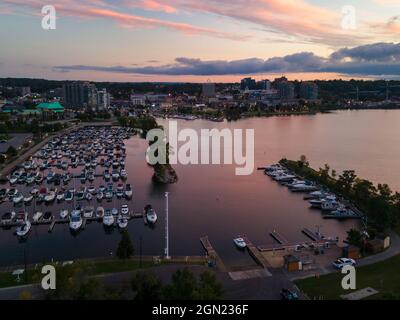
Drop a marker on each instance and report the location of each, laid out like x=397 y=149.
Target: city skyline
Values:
x=170 y=41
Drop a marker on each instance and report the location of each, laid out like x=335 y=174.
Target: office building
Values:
x=248 y=84
x=208 y=90
x=285 y=90
x=308 y=90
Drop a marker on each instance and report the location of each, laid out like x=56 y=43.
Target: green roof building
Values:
x=50 y=106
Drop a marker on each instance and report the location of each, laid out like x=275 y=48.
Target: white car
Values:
x=341 y=262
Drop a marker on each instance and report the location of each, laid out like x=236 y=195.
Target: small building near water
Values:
x=292 y=263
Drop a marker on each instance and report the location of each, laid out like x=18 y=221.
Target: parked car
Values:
x=341 y=262
x=286 y=294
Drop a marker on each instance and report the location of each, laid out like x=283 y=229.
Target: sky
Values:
x=201 y=40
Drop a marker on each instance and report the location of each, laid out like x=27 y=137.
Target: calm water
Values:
x=211 y=200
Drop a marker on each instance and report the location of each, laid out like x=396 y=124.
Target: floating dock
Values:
x=312 y=235
x=255 y=253
x=278 y=237
x=212 y=253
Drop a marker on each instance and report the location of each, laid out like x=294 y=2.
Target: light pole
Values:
x=166 y=228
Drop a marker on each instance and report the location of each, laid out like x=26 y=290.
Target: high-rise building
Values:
x=103 y=99
x=208 y=90
x=308 y=90
x=285 y=90
x=264 y=85
x=248 y=84
x=74 y=94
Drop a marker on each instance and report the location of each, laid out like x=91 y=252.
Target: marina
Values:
x=62 y=174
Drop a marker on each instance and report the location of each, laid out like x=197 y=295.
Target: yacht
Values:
x=128 y=191
x=341 y=213
x=108 y=219
x=50 y=196
x=23 y=229
x=88 y=196
x=122 y=221
x=80 y=195
x=330 y=204
x=88 y=212
x=100 y=212
x=109 y=195
x=34 y=192
x=114 y=211
x=69 y=196
x=284 y=177
x=17 y=198
x=303 y=187
x=60 y=196
x=100 y=196
x=92 y=190
x=28 y=198
x=120 y=191
x=123 y=174
x=240 y=243
x=124 y=209
x=76 y=220
x=37 y=216
x=151 y=215
x=8 y=217
x=47 y=217
x=63 y=213
x=21 y=216
x=115 y=175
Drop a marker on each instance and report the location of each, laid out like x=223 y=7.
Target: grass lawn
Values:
x=382 y=276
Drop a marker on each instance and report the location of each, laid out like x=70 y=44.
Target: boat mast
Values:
x=166 y=228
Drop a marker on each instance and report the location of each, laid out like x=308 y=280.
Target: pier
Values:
x=278 y=237
x=212 y=253
x=255 y=253
x=312 y=235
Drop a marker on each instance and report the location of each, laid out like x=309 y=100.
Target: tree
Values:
x=11 y=151
x=354 y=238
x=147 y=286
x=183 y=286
x=208 y=288
x=303 y=161
x=346 y=181
x=125 y=247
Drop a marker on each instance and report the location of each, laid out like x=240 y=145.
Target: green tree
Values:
x=147 y=286
x=208 y=288
x=183 y=286
x=11 y=151
x=125 y=247
x=354 y=237
x=346 y=181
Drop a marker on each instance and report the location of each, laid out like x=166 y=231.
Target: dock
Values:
x=278 y=237
x=254 y=252
x=312 y=235
x=212 y=253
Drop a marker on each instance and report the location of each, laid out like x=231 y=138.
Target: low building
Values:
x=351 y=252
x=50 y=106
x=292 y=263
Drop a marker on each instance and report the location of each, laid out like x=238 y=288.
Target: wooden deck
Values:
x=212 y=253
x=278 y=237
x=255 y=252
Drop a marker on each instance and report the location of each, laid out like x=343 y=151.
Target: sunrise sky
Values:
x=197 y=40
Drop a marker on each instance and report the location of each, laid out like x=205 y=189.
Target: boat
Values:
x=151 y=215
x=18 y=197
x=122 y=221
x=120 y=191
x=88 y=212
x=100 y=196
x=303 y=187
x=60 y=196
x=28 y=198
x=92 y=189
x=8 y=217
x=23 y=229
x=124 y=209
x=21 y=216
x=341 y=213
x=50 y=196
x=109 y=195
x=34 y=192
x=123 y=174
x=63 y=213
x=284 y=177
x=115 y=175
x=108 y=219
x=47 y=217
x=13 y=179
x=240 y=243
x=114 y=211
x=128 y=191
x=330 y=204
x=37 y=216
x=88 y=196
x=80 y=195
x=100 y=212
x=69 y=196
x=75 y=222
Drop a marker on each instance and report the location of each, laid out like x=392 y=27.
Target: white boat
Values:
x=34 y=191
x=63 y=213
x=124 y=209
x=92 y=190
x=284 y=177
x=123 y=174
x=8 y=217
x=18 y=197
x=60 y=196
x=303 y=187
x=151 y=215
x=75 y=221
x=128 y=191
x=88 y=196
x=240 y=243
x=50 y=196
x=115 y=175
x=13 y=179
x=114 y=211
x=122 y=221
x=37 y=216
x=23 y=229
x=108 y=219
x=100 y=196
x=330 y=204
x=100 y=212
x=69 y=196
x=88 y=212
x=28 y=198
